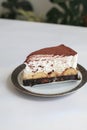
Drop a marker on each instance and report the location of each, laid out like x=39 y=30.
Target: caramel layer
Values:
x=37 y=75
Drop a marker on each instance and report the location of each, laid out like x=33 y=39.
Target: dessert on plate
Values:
x=52 y=64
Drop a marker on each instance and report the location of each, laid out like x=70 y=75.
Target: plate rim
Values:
x=18 y=69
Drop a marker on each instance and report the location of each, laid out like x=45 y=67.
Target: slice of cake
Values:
x=51 y=64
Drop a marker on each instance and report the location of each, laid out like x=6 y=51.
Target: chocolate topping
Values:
x=57 y=50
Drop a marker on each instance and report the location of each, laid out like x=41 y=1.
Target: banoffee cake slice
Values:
x=52 y=64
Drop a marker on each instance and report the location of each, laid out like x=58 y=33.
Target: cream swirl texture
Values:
x=49 y=63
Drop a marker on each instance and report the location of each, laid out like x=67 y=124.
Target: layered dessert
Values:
x=50 y=64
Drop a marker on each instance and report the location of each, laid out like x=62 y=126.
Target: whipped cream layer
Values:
x=50 y=63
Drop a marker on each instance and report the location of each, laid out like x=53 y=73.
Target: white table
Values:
x=23 y=112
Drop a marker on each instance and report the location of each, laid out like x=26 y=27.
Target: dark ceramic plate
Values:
x=49 y=89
